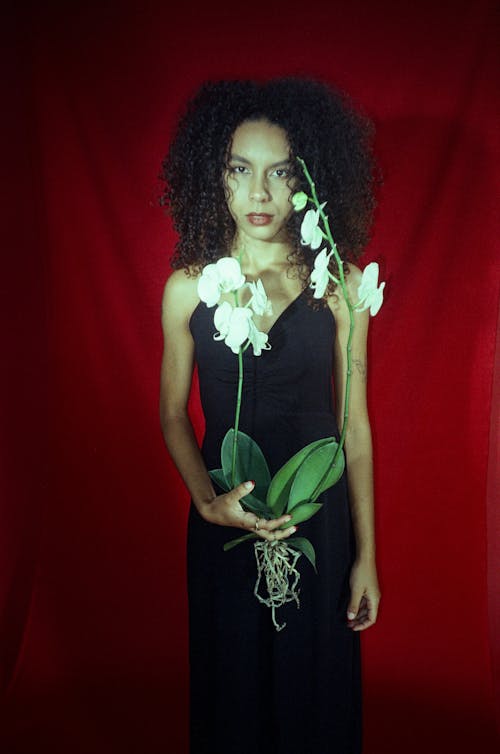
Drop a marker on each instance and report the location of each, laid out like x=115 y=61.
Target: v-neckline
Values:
x=280 y=316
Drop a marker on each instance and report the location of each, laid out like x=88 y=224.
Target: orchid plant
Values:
x=296 y=486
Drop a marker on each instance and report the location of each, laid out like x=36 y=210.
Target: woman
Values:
x=230 y=174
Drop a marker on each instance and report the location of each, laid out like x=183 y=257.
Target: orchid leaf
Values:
x=281 y=484
x=218 y=476
x=302 y=512
x=305 y=547
x=226 y=452
x=312 y=472
x=334 y=473
x=239 y=540
x=252 y=503
x=250 y=462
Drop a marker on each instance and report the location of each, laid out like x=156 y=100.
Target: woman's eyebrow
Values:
x=238 y=158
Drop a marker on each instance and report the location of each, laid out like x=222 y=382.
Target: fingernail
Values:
x=249 y=485
x=293 y=529
x=351 y=615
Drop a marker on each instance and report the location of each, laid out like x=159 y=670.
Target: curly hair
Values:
x=322 y=126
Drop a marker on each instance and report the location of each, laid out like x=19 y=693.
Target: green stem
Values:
x=345 y=293
x=238 y=407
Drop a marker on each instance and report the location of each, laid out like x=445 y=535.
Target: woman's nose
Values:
x=258 y=190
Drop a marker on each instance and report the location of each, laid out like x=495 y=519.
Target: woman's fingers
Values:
x=365 y=617
x=273 y=523
x=266 y=529
x=277 y=534
x=241 y=490
x=271 y=530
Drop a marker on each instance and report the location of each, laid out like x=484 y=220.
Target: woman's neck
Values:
x=256 y=257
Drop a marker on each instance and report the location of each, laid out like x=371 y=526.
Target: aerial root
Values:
x=276 y=563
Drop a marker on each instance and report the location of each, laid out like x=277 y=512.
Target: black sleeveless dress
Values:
x=254 y=690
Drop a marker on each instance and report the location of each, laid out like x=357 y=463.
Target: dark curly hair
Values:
x=322 y=127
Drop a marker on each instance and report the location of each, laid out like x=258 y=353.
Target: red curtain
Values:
x=92 y=580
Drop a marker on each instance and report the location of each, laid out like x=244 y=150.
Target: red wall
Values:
x=92 y=583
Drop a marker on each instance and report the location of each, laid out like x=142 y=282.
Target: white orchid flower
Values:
x=299 y=201
x=230 y=276
x=370 y=296
x=319 y=275
x=233 y=325
x=259 y=302
x=309 y=230
x=224 y=276
x=222 y=318
x=258 y=339
x=208 y=285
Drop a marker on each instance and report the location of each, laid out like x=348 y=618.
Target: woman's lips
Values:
x=259 y=218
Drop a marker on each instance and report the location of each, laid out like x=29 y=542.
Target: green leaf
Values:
x=252 y=503
x=333 y=476
x=305 y=547
x=218 y=476
x=302 y=512
x=311 y=472
x=234 y=542
x=226 y=454
x=281 y=484
x=250 y=462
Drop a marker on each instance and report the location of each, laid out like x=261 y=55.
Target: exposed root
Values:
x=276 y=561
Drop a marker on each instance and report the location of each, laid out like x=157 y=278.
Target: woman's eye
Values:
x=281 y=173
x=238 y=169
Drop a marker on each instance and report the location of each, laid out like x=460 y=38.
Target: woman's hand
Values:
x=365 y=595
x=226 y=510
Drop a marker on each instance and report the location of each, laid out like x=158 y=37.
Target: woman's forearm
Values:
x=358 y=447
x=182 y=445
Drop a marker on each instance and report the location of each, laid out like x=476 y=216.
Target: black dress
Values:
x=254 y=690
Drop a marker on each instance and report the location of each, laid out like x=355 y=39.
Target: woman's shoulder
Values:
x=352 y=281
x=180 y=295
x=336 y=301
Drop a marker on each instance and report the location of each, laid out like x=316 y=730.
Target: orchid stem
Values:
x=238 y=408
x=340 y=265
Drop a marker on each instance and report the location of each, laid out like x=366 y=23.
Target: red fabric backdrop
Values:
x=92 y=585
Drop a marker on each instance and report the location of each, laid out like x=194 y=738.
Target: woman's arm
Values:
x=365 y=592
x=180 y=298
x=179 y=301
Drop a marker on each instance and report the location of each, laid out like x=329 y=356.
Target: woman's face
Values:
x=257 y=181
